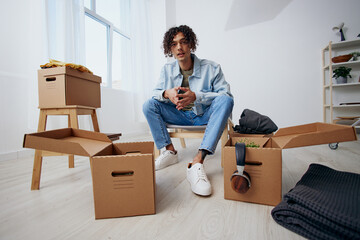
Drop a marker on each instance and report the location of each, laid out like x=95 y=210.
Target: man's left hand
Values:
x=187 y=97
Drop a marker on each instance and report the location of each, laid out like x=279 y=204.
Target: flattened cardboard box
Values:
x=264 y=164
x=64 y=86
x=122 y=173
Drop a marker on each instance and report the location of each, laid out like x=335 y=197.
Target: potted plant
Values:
x=355 y=55
x=341 y=74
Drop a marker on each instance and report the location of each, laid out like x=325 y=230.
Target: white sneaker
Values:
x=166 y=158
x=198 y=180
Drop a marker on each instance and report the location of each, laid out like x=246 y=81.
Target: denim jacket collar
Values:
x=197 y=70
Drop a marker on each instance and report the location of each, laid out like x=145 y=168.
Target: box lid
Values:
x=313 y=134
x=69 y=71
x=68 y=140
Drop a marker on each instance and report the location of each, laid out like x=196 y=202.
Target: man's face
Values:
x=180 y=48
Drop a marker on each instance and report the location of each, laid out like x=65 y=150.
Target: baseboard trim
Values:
x=16 y=154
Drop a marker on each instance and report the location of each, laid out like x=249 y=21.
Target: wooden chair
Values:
x=72 y=112
x=182 y=132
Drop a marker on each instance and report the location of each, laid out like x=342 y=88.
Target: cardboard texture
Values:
x=123 y=174
x=64 y=86
x=264 y=164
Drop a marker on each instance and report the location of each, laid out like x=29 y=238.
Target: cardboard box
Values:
x=64 y=86
x=122 y=173
x=264 y=164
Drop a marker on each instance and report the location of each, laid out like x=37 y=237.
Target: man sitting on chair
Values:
x=191 y=91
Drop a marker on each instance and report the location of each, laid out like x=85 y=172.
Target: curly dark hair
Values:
x=190 y=37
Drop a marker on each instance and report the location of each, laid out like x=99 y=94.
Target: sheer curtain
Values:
x=65 y=30
x=65 y=33
x=142 y=54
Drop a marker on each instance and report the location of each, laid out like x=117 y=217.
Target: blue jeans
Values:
x=215 y=116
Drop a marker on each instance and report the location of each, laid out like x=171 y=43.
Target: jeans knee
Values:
x=148 y=106
x=230 y=102
x=226 y=101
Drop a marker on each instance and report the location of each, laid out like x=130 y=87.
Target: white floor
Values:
x=63 y=207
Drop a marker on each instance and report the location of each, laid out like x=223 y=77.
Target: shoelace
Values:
x=201 y=174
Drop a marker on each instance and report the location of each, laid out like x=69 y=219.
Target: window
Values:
x=120 y=64
x=96 y=47
x=107 y=40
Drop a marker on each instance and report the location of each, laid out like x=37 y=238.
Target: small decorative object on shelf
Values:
x=342 y=58
x=339 y=28
x=355 y=55
x=341 y=74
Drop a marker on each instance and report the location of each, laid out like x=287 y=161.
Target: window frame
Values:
x=110 y=29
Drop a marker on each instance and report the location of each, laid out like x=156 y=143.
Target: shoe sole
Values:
x=199 y=193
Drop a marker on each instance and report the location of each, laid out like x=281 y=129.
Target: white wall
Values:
x=273 y=67
x=20 y=38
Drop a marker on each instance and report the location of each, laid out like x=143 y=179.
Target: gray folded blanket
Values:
x=324 y=204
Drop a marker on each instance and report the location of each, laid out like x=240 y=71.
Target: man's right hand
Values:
x=171 y=95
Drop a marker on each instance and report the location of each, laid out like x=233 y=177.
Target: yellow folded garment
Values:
x=55 y=63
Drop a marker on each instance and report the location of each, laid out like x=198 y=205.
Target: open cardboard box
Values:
x=64 y=86
x=264 y=164
x=122 y=173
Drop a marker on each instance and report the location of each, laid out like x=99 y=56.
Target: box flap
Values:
x=68 y=140
x=69 y=71
x=313 y=134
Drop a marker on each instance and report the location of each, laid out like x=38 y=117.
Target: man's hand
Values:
x=186 y=98
x=171 y=94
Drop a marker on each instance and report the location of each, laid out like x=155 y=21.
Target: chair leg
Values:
x=156 y=152
x=42 y=120
x=182 y=140
x=73 y=119
x=95 y=121
x=35 y=182
x=36 y=175
x=74 y=123
x=224 y=138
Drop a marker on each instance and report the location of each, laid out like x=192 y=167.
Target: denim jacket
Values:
x=207 y=82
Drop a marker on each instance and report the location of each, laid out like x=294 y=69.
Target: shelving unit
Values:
x=339 y=100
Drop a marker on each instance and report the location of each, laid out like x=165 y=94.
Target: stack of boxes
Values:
x=123 y=174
